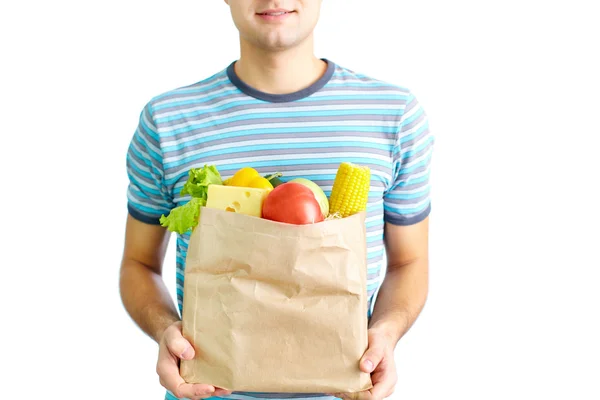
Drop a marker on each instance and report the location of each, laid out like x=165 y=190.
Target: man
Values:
x=279 y=108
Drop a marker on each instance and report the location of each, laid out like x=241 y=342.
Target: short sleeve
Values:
x=407 y=199
x=147 y=195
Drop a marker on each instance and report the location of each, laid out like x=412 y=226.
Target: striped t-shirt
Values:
x=344 y=116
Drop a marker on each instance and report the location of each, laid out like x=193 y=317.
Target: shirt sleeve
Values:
x=407 y=199
x=147 y=195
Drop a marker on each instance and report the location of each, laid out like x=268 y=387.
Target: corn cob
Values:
x=350 y=190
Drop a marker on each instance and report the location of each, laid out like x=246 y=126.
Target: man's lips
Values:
x=275 y=12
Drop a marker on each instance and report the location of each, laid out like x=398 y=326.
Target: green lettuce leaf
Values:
x=199 y=179
x=183 y=218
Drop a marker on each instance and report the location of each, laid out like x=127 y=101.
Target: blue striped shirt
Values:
x=344 y=116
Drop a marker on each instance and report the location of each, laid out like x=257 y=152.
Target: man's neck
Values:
x=282 y=72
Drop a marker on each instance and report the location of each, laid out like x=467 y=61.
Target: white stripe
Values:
x=412 y=130
x=199 y=119
x=374 y=280
x=251 y=142
x=148 y=144
x=136 y=201
x=272 y=110
x=349 y=80
x=411 y=191
x=221 y=164
x=199 y=87
x=412 y=111
x=233 y=98
x=192 y=107
x=216 y=132
x=415 y=175
x=415 y=161
x=375 y=249
x=419 y=204
x=149 y=125
x=378 y=217
x=327 y=93
x=373 y=234
x=143 y=167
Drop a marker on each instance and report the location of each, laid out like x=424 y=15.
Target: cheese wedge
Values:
x=243 y=200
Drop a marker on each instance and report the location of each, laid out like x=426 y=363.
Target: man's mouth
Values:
x=275 y=13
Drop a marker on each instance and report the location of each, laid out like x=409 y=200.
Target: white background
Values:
x=511 y=89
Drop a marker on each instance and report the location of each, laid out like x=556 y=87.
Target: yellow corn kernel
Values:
x=350 y=191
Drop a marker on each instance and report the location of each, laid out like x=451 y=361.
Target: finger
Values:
x=221 y=392
x=372 y=357
x=168 y=372
x=384 y=383
x=178 y=345
x=193 y=391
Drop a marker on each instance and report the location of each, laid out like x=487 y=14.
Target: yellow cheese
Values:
x=243 y=200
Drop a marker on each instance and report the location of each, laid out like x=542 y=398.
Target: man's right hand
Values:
x=173 y=347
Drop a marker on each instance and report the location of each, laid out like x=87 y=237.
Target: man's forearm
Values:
x=147 y=299
x=401 y=298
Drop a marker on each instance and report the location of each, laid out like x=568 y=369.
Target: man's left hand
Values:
x=378 y=360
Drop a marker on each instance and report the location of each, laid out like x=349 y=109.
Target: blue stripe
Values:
x=414 y=181
x=198 y=90
x=355 y=96
x=151 y=211
x=205 y=100
x=139 y=173
x=259 y=131
x=418 y=165
x=416 y=115
x=146 y=188
x=359 y=85
x=374 y=223
x=276 y=114
x=406 y=211
x=212 y=110
x=308 y=161
x=371 y=253
x=144 y=146
x=414 y=134
x=374 y=269
x=373 y=239
x=208 y=99
x=417 y=149
x=406 y=196
x=148 y=131
x=260 y=147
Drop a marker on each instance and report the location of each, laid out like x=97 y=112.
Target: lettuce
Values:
x=199 y=179
x=185 y=217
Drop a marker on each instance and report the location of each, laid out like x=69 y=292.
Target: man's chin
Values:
x=279 y=43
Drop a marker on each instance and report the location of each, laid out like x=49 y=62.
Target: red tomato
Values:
x=292 y=203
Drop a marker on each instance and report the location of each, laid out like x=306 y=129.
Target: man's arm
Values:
x=404 y=290
x=148 y=302
x=143 y=291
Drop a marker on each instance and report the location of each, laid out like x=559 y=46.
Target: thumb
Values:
x=179 y=346
x=371 y=358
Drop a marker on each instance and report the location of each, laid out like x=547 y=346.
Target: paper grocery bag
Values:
x=274 y=307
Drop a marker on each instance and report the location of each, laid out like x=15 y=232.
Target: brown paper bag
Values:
x=273 y=307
